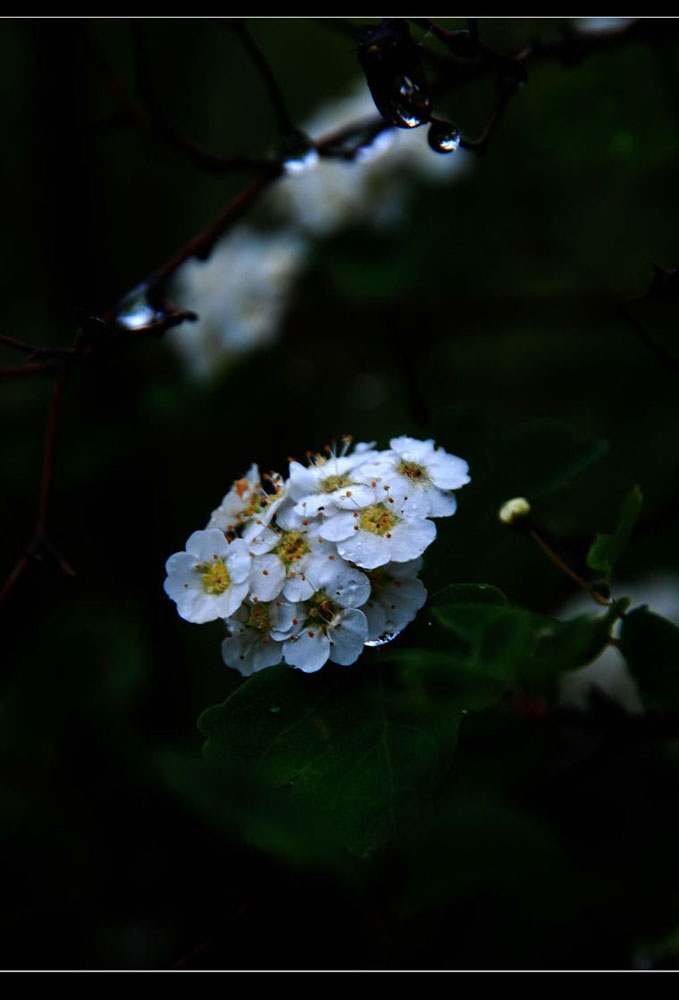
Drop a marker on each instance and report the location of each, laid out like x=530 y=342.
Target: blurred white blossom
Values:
x=242 y=291
x=370 y=191
x=240 y=295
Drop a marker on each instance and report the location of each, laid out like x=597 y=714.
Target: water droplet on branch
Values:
x=299 y=155
x=393 y=69
x=443 y=137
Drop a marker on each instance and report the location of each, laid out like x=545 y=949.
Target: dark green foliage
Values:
x=433 y=805
x=650 y=644
x=340 y=743
x=607 y=549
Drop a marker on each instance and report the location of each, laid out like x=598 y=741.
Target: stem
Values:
x=202 y=244
x=268 y=79
x=565 y=568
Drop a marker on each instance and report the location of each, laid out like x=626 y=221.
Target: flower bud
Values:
x=513 y=510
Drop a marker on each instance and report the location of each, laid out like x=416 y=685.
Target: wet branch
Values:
x=469 y=60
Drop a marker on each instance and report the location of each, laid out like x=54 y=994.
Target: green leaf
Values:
x=502 y=645
x=465 y=593
x=650 y=644
x=607 y=549
x=341 y=744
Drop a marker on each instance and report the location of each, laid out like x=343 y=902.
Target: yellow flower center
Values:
x=292 y=546
x=321 y=610
x=332 y=483
x=377 y=519
x=416 y=473
x=215 y=577
x=259 y=617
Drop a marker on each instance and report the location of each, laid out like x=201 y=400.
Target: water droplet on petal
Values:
x=443 y=137
x=383 y=639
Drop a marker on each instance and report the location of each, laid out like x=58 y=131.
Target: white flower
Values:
x=210 y=579
x=333 y=482
x=419 y=477
x=295 y=562
x=377 y=535
x=258 y=632
x=396 y=595
x=247 y=507
x=330 y=632
x=332 y=627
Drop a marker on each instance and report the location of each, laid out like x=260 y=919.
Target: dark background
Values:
x=494 y=302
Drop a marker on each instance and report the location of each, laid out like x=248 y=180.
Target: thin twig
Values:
x=565 y=568
x=201 y=245
x=39 y=540
x=34 y=351
x=285 y=122
x=26 y=371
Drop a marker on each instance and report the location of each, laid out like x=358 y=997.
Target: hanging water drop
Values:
x=393 y=70
x=135 y=311
x=443 y=137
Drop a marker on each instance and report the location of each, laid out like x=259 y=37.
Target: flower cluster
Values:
x=317 y=566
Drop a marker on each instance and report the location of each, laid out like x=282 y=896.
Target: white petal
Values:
x=286 y=618
x=287 y=517
x=230 y=601
x=267 y=654
x=409 y=539
x=309 y=652
x=411 y=449
x=348 y=637
x=366 y=549
x=442 y=504
x=267 y=577
x=238 y=560
x=180 y=567
x=344 y=584
x=205 y=545
x=303 y=481
x=375 y=615
x=263 y=541
x=448 y=472
x=401 y=570
x=237 y=652
x=338 y=527
x=354 y=497
x=196 y=606
x=298 y=588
